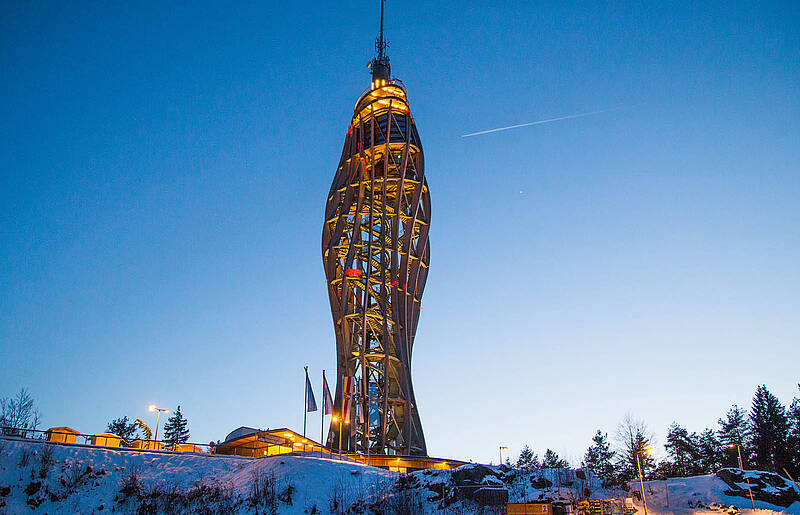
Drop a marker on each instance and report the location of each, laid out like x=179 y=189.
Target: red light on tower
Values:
x=353 y=272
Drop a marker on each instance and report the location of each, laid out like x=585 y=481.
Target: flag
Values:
x=348 y=388
x=311 y=403
x=361 y=405
x=327 y=401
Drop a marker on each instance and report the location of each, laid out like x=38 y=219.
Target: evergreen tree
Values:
x=683 y=450
x=527 y=459
x=769 y=431
x=794 y=436
x=552 y=461
x=599 y=455
x=175 y=430
x=664 y=470
x=122 y=427
x=709 y=452
x=732 y=432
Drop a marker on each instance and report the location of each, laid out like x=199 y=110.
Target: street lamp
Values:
x=158 y=411
x=501 y=453
x=741 y=467
x=647 y=451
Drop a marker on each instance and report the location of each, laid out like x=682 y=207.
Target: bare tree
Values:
x=18 y=413
x=634 y=438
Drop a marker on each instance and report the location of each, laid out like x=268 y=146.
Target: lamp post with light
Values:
x=501 y=453
x=646 y=451
x=741 y=467
x=158 y=417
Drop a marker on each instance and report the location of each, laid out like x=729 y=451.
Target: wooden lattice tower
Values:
x=376 y=254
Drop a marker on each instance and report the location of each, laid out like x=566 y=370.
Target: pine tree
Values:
x=122 y=427
x=709 y=452
x=732 y=433
x=683 y=450
x=175 y=430
x=794 y=436
x=527 y=459
x=552 y=461
x=599 y=455
x=769 y=430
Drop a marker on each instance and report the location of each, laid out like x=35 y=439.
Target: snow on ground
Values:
x=701 y=494
x=66 y=479
x=82 y=479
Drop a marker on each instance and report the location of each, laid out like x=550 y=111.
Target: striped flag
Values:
x=327 y=401
x=348 y=388
x=361 y=405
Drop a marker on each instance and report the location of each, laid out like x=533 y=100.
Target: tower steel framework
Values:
x=376 y=254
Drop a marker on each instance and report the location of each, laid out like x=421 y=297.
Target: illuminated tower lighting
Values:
x=375 y=253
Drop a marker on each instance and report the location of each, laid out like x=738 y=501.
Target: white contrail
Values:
x=539 y=122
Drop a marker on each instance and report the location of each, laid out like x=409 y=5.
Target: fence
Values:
x=69 y=437
x=106 y=440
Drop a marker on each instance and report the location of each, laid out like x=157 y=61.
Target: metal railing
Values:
x=61 y=437
x=104 y=440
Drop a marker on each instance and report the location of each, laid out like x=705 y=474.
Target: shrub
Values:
x=25 y=457
x=71 y=476
x=262 y=491
x=131 y=483
x=45 y=461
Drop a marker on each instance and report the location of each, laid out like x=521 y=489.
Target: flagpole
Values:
x=341 y=417
x=366 y=417
x=322 y=415
x=305 y=408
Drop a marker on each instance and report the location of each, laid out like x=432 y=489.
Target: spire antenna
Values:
x=381 y=69
x=381 y=44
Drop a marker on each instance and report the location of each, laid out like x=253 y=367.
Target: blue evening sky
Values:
x=164 y=169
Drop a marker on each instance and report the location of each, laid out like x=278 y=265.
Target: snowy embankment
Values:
x=54 y=478
x=710 y=493
x=73 y=479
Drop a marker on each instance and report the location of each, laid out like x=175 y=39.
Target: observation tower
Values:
x=375 y=252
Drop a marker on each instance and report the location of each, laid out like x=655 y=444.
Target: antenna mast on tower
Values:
x=381 y=69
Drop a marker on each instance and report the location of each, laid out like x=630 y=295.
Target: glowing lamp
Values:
x=353 y=272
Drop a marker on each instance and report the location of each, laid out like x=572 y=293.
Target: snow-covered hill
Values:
x=702 y=494
x=55 y=479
